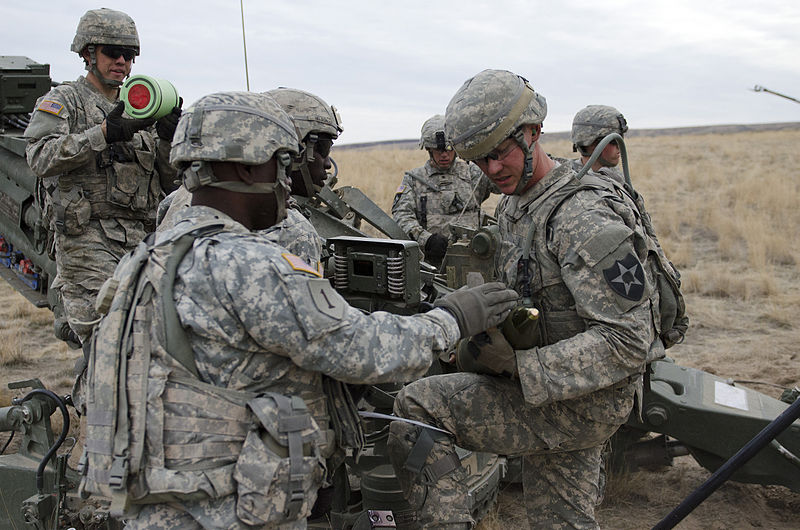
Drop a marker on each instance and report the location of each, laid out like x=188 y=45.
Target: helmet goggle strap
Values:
x=92 y=67
x=200 y=174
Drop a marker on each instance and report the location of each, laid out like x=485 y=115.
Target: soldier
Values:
x=590 y=125
x=104 y=173
x=231 y=398
x=443 y=192
x=317 y=125
x=576 y=252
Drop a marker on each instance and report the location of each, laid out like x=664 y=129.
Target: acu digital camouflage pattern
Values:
x=100 y=198
x=105 y=26
x=594 y=122
x=308 y=112
x=488 y=108
x=295 y=233
x=260 y=320
x=452 y=196
x=573 y=392
x=244 y=127
x=428 y=139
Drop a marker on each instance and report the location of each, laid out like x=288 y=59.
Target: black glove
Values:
x=487 y=353
x=165 y=127
x=119 y=129
x=436 y=246
x=479 y=308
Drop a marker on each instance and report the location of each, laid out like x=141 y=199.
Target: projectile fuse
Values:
x=521 y=328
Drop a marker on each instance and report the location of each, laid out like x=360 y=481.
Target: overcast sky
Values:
x=388 y=66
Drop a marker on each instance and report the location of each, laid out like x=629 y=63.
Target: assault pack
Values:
x=157 y=433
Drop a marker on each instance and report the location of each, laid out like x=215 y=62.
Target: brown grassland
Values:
x=726 y=207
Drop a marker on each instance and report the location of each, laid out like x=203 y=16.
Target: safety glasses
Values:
x=113 y=52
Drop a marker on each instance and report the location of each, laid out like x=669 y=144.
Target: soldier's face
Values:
x=504 y=165
x=115 y=69
x=442 y=158
x=610 y=155
x=317 y=168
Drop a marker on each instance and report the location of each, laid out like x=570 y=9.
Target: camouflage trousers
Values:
x=561 y=449
x=217 y=514
x=84 y=262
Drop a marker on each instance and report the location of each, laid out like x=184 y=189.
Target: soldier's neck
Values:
x=110 y=92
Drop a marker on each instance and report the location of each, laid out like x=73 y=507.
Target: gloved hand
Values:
x=165 y=127
x=487 y=353
x=436 y=247
x=479 y=308
x=119 y=129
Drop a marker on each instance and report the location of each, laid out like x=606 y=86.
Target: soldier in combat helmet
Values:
x=104 y=174
x=445 y=191
x=579 y=254
x=226 y=405
x=590 y=125
x=317 y=125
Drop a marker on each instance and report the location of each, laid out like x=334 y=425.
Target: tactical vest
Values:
x=541 y=282
x=156 y=433
x=121 y=184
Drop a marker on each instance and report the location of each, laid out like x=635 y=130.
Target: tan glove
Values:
x=487 y=353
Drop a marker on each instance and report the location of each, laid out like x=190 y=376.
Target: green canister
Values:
x=148 y=97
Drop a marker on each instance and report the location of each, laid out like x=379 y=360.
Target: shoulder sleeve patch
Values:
x=51 y=107
x=299 y=265
x=626 y=277
x=401 y=188
x=326 y=299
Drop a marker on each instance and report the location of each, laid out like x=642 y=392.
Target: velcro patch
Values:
x=326 y=299
x=401 y=188
x=299 y=265
x=626 y=277
x=52 y=107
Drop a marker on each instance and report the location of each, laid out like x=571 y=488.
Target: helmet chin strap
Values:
x=200 y=174
x=92 y=67
x=300 y=163
x=527 y=170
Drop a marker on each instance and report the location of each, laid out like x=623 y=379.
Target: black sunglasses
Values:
x=113 y=52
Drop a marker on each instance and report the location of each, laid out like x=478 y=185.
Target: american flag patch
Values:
x=401 y=188
x=51 y=106
x=300 y=265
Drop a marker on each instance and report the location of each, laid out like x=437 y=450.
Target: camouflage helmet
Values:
x=244 y=127
x=595 y=122
x=432 y=135
x=308 y=112
x=105 y=26
x=488 y=108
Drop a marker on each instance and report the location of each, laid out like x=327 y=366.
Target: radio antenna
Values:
x=244 y=45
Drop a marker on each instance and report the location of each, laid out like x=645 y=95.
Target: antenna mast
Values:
x=244 y=45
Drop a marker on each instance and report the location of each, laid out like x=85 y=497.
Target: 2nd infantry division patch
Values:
x=626 y=277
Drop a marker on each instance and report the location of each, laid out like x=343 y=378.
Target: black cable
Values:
x=64 y=430
x=3 y=450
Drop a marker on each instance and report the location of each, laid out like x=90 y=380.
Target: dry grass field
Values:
x=726 y=207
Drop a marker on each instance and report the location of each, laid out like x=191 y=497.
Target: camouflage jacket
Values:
x=597 y=300
x=429 y=200
x=295 y=233
x=94 y=179
x=261 y=320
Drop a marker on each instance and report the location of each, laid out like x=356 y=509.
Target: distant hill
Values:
x=558 y=136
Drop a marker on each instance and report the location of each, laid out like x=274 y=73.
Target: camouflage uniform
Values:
x=445 y=194
x=295 y=233
x=103 y=197
x=574 y=391
x=254 y=327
